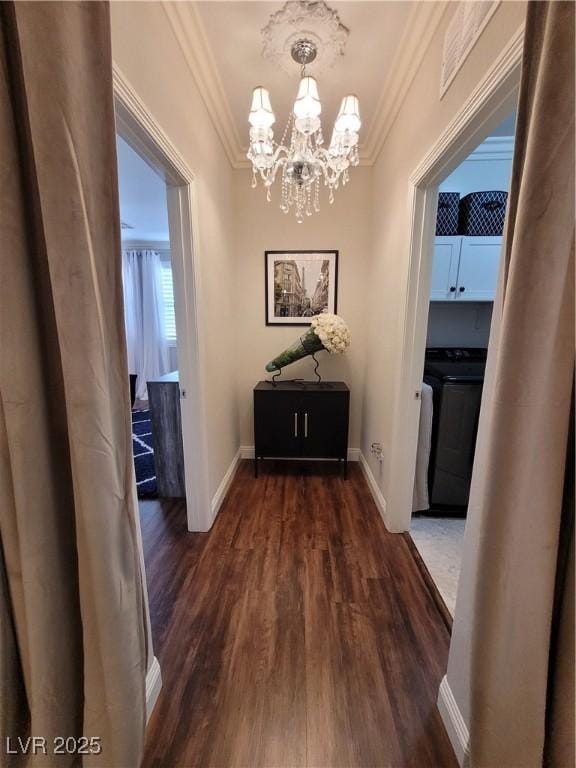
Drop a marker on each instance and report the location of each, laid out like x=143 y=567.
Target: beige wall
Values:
x=421 y=120
x=145 y=49
x=261 y=226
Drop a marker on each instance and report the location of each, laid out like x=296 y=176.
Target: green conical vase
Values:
x=306 y=345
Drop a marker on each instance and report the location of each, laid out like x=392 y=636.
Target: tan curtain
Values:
x=72 y=623
x=510 y=573
x=559 y=748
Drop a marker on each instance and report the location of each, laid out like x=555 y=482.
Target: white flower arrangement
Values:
x=327 y=331
x=332 y=332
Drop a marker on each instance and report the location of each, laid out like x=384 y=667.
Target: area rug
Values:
x=143 y=450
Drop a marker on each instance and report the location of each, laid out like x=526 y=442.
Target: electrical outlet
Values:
x=377 y=450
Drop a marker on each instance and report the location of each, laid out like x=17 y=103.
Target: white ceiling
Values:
x=142 y=197
x=232 y=32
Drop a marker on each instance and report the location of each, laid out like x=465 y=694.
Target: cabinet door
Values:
x=325 y=425
x=277 y=423
x=445 y=268
x=478 y=270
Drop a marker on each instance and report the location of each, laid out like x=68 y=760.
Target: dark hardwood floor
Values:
x=298 y=632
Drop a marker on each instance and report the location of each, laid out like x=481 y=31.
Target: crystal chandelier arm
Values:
x=273 y=163
x=280 y=162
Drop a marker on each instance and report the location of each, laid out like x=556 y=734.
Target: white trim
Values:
x=225 y=484
x=453 y=722
x=496 y=88
x=418 y=33
x=379 y=499
x=492 y=100
x=153 y=686
x=247 y=452
x=136 y=124
x=184 y=237
x=189 y=32
x=150 y=139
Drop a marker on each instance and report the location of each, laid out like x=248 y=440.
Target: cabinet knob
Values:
x=462 y=289
x=452 y=289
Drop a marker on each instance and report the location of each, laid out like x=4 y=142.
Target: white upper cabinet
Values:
x=477 y=259
x=478 y=268
x=445 y=268
x=465 y=268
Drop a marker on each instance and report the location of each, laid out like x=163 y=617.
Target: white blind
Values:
x=168 y=296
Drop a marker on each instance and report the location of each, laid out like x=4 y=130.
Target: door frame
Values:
x=492 y=100
x=136 y=125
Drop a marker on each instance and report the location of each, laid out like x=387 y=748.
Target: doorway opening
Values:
x=166 y=215
x=142 y=140
x=150 y=328
x=466 y=251
x=492 y=101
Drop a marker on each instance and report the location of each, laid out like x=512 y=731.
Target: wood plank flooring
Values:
x=298 y=632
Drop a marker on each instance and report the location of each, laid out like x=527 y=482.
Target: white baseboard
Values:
x=153 y=686
x=374 y=488
x=453 y=722
x=222 y=489
x=247 y=452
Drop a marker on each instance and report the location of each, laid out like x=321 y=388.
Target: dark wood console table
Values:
x=301 y=420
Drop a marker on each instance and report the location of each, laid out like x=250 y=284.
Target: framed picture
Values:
x=299 y=285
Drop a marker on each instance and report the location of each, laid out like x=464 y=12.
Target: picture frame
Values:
x=300 y=285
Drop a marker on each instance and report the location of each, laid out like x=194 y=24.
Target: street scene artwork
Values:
x=299 y=285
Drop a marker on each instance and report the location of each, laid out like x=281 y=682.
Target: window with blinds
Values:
x=168 y=297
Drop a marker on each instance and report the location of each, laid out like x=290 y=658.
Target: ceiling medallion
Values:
x=301 y=159
x=302 y=20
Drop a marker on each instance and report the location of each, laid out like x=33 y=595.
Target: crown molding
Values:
x=131 y=109
x=502 y=77
x=192 y=39
x=420 y=28
x=189 y=32
x=493 y=148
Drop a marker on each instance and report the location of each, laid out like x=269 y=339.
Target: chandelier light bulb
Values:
x=261 y=114
x=349 y=115
x=307 y=104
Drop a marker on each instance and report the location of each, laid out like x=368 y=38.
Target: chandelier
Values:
x=302 y=160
